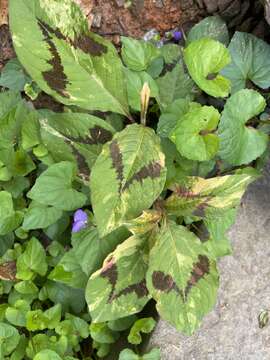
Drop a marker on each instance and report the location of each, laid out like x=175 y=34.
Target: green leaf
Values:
x=32 y=261
x=39 y=216
x=6 y=242
x=144 y=223
x=101 y=333
x=9 y=218
x=250 y=61
x=26 y=287
x=19 y=352
x=13 y=76
x=9 y=339
x=47 y=355
x=69 y=271
x=135 y=82
x=54 y=187
x=110 y=293
x=122 y=324
x=90 y=250
x=212 y=27
x=193 y=134
x=42 y=342
x=207 y=197
x=143 y=325
x=39 y=320
x=138 y=54
x=128 y=354
x=74 y=328
x=175 y=84
x=172 y=113
x=66 y=60
x=74 y=137
x=205 y=58
x=171 y=53
x=187 y=284
x=125 y=169
x=240 y=144
x=16 y=314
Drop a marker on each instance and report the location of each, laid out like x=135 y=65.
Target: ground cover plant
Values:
x=124 y=198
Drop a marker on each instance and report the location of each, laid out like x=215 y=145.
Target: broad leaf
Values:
x=110 y=293
x=128 y=354
x=172 y=113
x=143 y=325
x=9 y=218
x=32 y=261
x=67 y=61
x=135 y=81
x=209 y=198
x=47 y=355
x=187 y=284
x=16 y=315
x=126 y=178
x=138 y=54
x=212 y=27
x=193 y=134
x=205 y=58
x=101 y=333
x=44 y=342
x=9 y=339
x=54 y=187
x=240 y=144
x=39 y=216
x=175 y=84
x=250 y=61
x=13 y=76
x=74 y=137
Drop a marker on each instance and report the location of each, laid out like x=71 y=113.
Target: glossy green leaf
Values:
x=66 y=60
x=110 y=293
x=250 y=61
x=44 y=342
x=239 y=143
x=54 y=187
x=194 y=133
x=127 y=177
x=138 y=54
x=205 y=58
x=32 y=261
x=101 y=333
x=143 y=325
x=39 y=320
x=212 y=27
x=187 y=284
x=16 y=315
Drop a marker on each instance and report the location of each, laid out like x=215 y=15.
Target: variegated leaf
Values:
x=185 y=287
x=74 y=137
x=118 y=289
x=77 y=67
x=207 y=197
x=127 y=177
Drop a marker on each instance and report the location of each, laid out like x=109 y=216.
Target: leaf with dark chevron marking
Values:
x=74 y=137
x=127 y=177
x=187 y=283
x=119 y=289
x=67 y=61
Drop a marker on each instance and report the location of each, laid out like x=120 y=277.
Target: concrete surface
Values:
x=231 y=331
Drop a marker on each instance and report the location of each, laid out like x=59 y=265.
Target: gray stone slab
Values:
x=231 y=331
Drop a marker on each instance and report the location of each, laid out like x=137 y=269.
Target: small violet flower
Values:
x=79 y=220
x=177 y=35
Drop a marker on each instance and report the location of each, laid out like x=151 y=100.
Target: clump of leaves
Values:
x=127 y=194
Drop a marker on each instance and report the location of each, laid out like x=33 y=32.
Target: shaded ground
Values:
x=232 y=330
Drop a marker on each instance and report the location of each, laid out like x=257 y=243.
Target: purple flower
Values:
x=177 y=35
x=79 y=220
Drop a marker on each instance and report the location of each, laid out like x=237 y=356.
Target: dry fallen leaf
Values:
x=3 y=12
